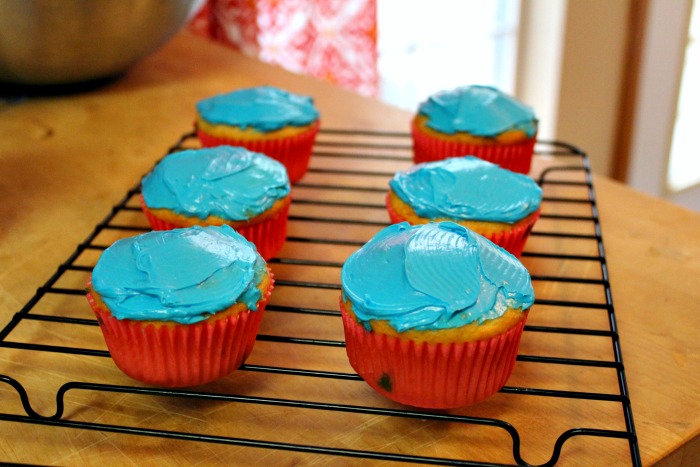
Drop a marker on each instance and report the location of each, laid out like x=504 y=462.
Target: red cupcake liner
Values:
x=516 y=157
x=268 y=235
x=437 y=376
x=293 y=152
x=179 y=355
x=512 y=240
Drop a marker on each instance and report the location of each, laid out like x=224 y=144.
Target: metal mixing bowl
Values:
x=54 y=42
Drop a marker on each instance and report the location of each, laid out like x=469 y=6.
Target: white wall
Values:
x=540 y=48
x=572 y=64
x=661 y=66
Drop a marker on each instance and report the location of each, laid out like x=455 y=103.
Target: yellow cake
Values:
x=499 y=204
x=475 y=120
x=222 y=185
x=180 y=307
x=264 y=119
x=433 y=314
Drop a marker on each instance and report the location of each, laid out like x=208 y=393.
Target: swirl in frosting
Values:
x=478 y=110
x=264 y=108
x=467 y=188
x=225 y=181
x=182 y=275
x=433 y=276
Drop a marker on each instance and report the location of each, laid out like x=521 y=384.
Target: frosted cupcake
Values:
x=499 y=204
x=264 y=119
x=476 y=120
x=222 y=185
x=433 y=314
x=180 y=307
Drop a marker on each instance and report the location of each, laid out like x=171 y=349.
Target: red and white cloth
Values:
x=334 y=40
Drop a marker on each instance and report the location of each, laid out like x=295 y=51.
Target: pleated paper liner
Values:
x=180 y=355
x=437 y=376
x=268 y=235
x=512 y=240
x=293 y=152
x=516 y=157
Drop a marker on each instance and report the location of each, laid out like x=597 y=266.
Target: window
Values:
x=425 y=47
x=684 y=162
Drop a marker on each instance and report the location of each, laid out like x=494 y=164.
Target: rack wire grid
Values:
x=567 y=400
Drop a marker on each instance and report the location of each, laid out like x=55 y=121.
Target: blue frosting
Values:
x=225 y=181
x=264 y=108
x=467 y=188
x=181 y=275
x=478 y=110
x=433 y=276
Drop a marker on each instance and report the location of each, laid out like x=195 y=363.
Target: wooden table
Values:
x=66 y=160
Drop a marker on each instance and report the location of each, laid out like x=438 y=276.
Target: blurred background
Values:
x=616 y=78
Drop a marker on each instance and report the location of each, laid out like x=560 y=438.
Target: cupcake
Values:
x=264 y=119
x=180 y=307
x=499 y=204
x=477 y=120
x=222 y=185
x=433 y=314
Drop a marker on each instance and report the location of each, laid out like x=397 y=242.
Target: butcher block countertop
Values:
x=611 y=349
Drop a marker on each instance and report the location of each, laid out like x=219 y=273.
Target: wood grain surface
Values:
x=65 y=160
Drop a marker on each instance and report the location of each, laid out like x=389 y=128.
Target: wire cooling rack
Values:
x=297 y=399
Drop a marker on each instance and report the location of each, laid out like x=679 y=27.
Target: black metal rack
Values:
x=336 y=207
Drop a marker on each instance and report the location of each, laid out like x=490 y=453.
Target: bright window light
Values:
x=425 y=47
x=684 y=162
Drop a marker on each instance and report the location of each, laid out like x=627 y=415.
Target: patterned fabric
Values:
x=334 y=40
